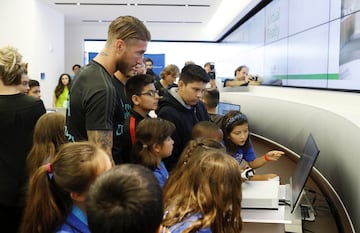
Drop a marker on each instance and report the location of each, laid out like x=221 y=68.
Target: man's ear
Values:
x=120 y=45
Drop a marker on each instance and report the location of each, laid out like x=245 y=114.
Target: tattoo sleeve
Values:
x=103 y=139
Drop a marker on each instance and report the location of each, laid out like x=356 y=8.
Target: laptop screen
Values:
x=302 y=170
x=223 y=108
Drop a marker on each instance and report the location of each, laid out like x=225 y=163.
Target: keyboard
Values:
x=307 y=213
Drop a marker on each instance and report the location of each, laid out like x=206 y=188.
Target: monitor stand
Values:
x=297 y=216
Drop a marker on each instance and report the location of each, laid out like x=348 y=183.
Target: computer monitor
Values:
x=223 y=107
x=302 y=171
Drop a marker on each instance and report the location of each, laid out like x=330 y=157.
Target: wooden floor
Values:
x=284 y=167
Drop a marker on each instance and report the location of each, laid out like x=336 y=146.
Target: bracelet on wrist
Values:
x=266 y=157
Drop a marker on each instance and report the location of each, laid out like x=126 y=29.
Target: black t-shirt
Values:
x=18 y=116
x=228 y=79
x=122 y=111
x=92 y=100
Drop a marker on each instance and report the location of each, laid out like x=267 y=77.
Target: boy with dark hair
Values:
x=143 y=96
x=127 y=198
x=34 y=89
x=211 y=100
x=182 y=106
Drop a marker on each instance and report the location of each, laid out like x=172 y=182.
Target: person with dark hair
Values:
x=93 y=97
x=127 y=198
x=182 y=106
x=34 y=89
x=18 y=116
x=210 y=69
x=242 y=78
x=143 y=96
x=149 y=63
x=61 y=92
x=75 y=69
x=237 y=141
x=211 y=100
x=153 y=143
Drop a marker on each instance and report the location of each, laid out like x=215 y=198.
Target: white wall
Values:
x=38 y=32
x=288 y=115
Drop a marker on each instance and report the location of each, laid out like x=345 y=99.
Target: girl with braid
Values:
x=56 y=195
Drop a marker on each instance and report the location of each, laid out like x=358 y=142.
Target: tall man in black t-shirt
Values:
x=92 y=98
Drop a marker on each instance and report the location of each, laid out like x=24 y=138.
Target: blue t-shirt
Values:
x=186 y=223
x=76 y=222
x=248 y=154
x=161 y=174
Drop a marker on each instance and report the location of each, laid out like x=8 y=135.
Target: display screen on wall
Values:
x=307 y=43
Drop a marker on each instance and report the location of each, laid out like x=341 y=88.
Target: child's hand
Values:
x=273 y=155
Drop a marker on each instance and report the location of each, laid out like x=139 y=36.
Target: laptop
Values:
x=224 y=107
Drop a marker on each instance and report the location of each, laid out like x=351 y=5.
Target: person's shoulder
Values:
x=186 y=223
x=33 y=101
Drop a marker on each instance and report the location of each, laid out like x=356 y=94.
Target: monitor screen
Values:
x=302 y=170
x=223 y=108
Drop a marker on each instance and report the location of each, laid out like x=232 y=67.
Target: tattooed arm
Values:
x=103 y=139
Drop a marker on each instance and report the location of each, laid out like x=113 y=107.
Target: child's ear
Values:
x=77 y=196
x=135 y=99
x=156 y=147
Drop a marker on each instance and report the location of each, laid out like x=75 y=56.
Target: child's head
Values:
x=210 y=186
x=211 y=98
x=194 y=148
x=34 y=89
x=153 y=141
x=116 y=197
x=192 y=82
x=142 y=93
x=207 y=129
x=235 y=127
x=47 y=138
x=65 y=180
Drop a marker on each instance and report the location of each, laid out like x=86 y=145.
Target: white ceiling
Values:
x=170 y=20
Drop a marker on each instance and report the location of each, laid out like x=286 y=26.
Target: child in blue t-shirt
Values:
x=153 y=143
x=237 y=141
